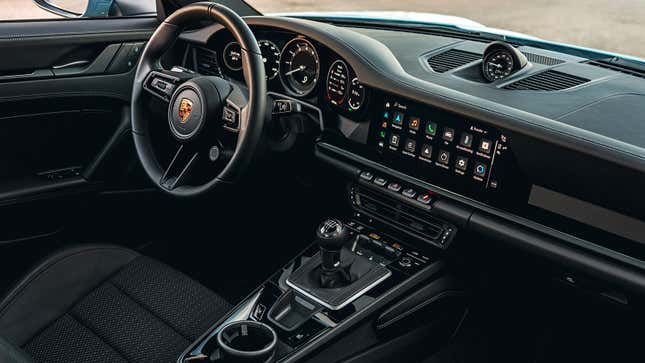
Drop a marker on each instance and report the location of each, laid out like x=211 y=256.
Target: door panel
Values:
x=64 y=113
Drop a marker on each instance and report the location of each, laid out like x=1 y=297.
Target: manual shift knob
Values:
x=332 y=236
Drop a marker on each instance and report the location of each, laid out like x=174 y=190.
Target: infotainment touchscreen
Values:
x=440 y=147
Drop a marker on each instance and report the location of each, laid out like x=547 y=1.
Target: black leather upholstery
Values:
x=106 y=304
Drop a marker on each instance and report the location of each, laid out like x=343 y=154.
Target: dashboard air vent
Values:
x=617 y=68
x=206 y=62
x=451 y=59
x=541 y=59
x=547 y=81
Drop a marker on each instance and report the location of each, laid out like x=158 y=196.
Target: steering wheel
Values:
x=216 y=124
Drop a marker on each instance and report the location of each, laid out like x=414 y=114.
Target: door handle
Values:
x=86 y=67
x=78 y=63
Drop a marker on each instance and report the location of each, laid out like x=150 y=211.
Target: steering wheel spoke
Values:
x=180 y=168
x=235 y=108
x=162 y=83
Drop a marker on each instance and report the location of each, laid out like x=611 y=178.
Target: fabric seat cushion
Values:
x=146 y=312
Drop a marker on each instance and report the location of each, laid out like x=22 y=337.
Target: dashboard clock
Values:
x=501 y=60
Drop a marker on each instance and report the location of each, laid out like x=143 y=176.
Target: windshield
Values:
x=614 y=26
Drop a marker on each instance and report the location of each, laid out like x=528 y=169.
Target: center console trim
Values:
x=243 y=310
x=344 y=303
x=330 y=153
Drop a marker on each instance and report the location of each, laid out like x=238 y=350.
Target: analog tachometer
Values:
x=299 y=67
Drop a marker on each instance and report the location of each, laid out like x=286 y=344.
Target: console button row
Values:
x=387 y=253
x=374 y=243
x=424 y=198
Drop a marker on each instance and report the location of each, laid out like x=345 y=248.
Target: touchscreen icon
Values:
x=431 y=128
x=444 y=157
x=448 y=134
x=398 y=118
x=485 y=146
x=414 y=123
x=462 y=163
x=466 y=140
x=395 y=140
x=410 y=145
x=426 y=151
x=480 y=169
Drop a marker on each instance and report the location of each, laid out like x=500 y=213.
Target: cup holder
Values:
x=247 y=341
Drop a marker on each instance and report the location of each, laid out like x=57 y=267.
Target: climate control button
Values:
x=366 y=175
x=410 y=193
x=394 y=186
x=380 y=181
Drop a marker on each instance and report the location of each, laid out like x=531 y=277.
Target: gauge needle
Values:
x=301 y=68
x=497 y=65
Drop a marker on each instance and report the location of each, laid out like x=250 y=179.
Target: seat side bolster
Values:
x=12 y=354
x=53 y=286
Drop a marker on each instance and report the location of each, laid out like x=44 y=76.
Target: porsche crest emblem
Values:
x=185 y=107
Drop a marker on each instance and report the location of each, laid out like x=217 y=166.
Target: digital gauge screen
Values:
x=337 y=80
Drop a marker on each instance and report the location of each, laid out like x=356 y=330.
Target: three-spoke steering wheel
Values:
x=201 y=109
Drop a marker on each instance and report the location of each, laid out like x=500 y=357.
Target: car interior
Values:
x=209 y=184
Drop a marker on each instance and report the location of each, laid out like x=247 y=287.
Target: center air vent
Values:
x=547 y=81
x=451 y=59
x=206 y=62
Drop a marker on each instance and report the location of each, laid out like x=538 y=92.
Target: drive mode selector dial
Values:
x=299 y=67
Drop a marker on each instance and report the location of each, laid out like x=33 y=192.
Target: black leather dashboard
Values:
x=583 y=141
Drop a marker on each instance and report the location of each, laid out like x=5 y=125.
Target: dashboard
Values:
x=295 y=65
x=512 y=130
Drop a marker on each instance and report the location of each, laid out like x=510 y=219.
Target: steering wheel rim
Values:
x=251 y=115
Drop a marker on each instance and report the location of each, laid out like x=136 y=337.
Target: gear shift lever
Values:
x=336 y=275
x=332 y=236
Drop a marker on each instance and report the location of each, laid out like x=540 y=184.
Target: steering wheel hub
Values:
x=186 y=112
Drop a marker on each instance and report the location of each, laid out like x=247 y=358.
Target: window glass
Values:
x=62 y=9
x=608 y=25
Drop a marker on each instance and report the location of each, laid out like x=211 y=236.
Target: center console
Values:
x=355 y=267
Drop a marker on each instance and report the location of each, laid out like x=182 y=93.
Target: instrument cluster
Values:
x=298 y=67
